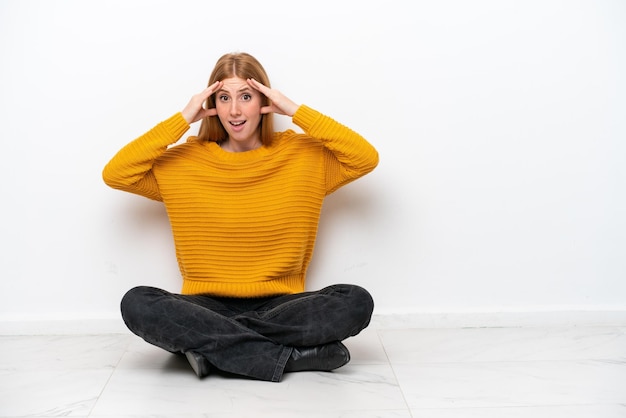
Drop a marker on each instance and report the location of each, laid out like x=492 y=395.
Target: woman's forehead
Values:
x=235 y=84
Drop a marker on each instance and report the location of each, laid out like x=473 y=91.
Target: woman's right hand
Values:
x=194 y=111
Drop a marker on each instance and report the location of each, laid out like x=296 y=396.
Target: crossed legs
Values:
x=249 y=337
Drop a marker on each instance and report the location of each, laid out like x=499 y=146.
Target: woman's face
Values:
x=239 y=109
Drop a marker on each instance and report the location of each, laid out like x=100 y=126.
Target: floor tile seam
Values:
x=93 y=407
x=129 y=342
x=113 y=370
x=65 y=335
x=530 y=406
x=395 y=375
x=60 y=367
x=619 y=327
x=616 y=362
x=512 y=406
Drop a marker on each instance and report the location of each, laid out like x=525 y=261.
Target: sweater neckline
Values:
x=236 y=157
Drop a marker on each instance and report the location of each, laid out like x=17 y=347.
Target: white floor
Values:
x=438 y=373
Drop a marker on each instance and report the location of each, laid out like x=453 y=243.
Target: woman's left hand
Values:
x=280 y=103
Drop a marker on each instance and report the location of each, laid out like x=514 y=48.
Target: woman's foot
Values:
x=325 y=357
x=198 y=363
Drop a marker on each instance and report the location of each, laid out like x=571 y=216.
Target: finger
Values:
x=204 y=94
x=205 y=113
x=211 y=89
x=215 y=85
x=267 y=109
x=258 y=86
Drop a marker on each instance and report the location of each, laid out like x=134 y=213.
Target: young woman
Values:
x=244 y=204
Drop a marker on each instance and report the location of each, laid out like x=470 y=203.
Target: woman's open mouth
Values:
x=237 y=126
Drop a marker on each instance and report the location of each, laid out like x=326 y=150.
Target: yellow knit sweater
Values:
x=244 y=224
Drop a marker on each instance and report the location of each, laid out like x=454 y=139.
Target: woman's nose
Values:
x=234 y=108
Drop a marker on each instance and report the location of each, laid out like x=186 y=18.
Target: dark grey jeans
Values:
x=248 y=337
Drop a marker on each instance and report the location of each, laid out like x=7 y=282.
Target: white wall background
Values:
x=501 y=127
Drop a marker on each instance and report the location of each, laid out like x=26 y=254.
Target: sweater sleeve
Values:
x=130 y=169
x=349 y=155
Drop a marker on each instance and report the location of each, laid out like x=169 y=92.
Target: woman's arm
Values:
x=130 y=169
x=349 y=156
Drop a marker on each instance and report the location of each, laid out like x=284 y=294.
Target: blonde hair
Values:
x=242 y=65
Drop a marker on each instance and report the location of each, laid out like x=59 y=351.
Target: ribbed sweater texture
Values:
x=244 y=224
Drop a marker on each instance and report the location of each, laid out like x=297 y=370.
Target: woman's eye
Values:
x=223 y=98
x=246 y=97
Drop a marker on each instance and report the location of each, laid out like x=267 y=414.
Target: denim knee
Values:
x=132 y=305
x=359 y=303
x=363 y=303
